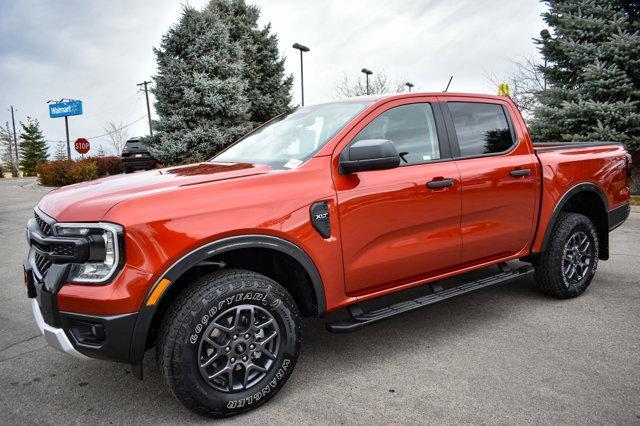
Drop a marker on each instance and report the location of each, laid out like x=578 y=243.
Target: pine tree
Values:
x=219 y=75
x=268 y=88
x=592 y=73
x=33 y=147
x=199 y=89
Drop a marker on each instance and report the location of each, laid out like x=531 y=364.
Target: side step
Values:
x=360 y=318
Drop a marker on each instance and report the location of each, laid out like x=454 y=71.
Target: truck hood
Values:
x=90 y=201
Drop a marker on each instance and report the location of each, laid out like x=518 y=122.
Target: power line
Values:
x=115 y=130
x=108 y=133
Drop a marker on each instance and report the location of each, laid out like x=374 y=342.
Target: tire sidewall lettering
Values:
x=262 y=393
x=264 y=299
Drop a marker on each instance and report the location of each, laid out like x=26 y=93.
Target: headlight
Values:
x=106 y=250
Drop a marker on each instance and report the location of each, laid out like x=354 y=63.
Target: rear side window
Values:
x=411 y=128
x=480 y=128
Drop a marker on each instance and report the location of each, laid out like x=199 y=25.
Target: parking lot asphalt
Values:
x=504 y=354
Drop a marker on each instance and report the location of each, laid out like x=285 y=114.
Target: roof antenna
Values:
x=447 y=88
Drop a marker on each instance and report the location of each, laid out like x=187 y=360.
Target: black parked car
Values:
x=136 y=156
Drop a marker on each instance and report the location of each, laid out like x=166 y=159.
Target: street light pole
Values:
x=367 y=73
x=301 y=48
x=409 y=85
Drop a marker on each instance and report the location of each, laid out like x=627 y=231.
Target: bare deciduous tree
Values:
x=525 y=81
x=7 y=149
x=379 y=83
x=117 y=135
x=61 y=152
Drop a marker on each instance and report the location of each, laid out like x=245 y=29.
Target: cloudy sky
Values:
x=97 y=51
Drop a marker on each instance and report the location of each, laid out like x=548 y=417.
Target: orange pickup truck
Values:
x=320 y=209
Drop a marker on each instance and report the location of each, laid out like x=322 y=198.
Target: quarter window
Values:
x=480 y=128
x=411 y=128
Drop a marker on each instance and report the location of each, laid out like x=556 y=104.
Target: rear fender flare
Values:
x=581 y=187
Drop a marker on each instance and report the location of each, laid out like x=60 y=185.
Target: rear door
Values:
x=499 y=178
x=395 y=229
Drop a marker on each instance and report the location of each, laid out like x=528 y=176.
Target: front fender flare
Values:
x=186 y=262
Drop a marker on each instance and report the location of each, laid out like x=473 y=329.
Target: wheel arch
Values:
x=149 y=313
x=589 y=200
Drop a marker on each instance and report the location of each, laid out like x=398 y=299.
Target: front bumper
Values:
x=79 y=334
x=55 y=337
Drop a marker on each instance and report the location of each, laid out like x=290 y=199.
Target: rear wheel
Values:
x=567 y=267
x=229 y=342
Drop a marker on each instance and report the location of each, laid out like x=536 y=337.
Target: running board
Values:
x=360 y=318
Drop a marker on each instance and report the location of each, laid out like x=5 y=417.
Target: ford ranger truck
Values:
x=322 y=209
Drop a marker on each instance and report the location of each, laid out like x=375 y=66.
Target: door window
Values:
x=480 y=128
x=411 y=128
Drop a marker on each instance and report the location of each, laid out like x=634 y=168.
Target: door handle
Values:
x=520 y=172
x=442 y=183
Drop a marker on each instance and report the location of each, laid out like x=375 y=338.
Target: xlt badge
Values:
x=319 y=212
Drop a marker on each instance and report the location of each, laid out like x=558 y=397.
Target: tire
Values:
x=567 y=267
x=128 y=170
x=210 y=304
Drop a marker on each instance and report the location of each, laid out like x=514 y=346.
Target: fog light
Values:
x=97 y=330
x=88 y=333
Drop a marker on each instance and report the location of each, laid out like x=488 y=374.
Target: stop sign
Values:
x=82 y=145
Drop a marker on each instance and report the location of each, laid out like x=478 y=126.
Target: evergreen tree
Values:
x=592 y=73
x=218 y=76
x=33 y=147
x=268 y=88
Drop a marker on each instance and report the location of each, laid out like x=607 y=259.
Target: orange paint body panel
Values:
x=389 y=230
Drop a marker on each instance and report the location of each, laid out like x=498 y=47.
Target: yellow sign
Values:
x=504 y=90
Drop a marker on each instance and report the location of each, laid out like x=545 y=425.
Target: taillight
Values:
x=629 y=168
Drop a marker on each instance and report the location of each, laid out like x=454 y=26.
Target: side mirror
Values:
x=369 y=154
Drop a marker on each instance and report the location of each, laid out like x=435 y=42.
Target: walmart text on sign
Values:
x=64 y=109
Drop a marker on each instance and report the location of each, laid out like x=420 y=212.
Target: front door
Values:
x=397 y=226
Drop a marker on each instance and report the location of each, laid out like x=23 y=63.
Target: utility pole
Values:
x=146 y=94
x=15 y=142
x=367 y=73
x=301 y=48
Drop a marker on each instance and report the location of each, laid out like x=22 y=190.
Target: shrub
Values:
x=83 y=170
x=66 y=172
x=60 y=173
x=108 y=165
x=54 y=173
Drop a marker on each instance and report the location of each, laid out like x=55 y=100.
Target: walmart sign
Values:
x=63 y=109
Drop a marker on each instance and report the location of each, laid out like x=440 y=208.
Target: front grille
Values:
x=42 y=264
x=43 y=225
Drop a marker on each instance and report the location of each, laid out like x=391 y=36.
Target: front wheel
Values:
x=568 y=265
x=229 y=342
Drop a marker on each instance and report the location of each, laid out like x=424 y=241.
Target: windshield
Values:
x=289 y=140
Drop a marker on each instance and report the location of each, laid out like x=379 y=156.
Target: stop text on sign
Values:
x=82 y=145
